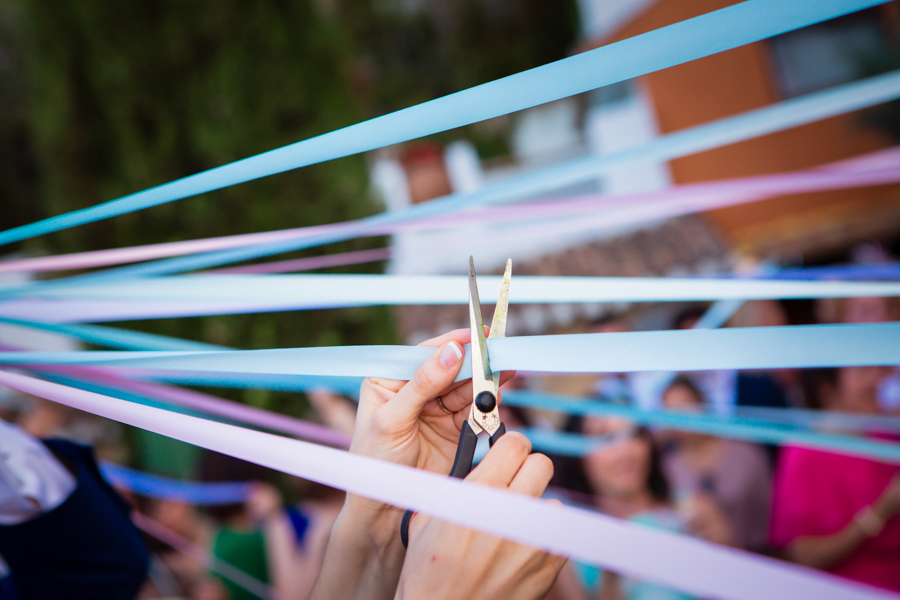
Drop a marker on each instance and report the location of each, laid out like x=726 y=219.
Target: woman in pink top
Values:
x=837 y=512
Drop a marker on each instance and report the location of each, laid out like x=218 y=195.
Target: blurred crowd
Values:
x=821 y=509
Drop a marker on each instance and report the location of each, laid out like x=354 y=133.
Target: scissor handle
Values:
x=462 y=466
x=465 y=452
x=497 y=434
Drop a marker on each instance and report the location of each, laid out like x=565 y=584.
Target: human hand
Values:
x=888 y=504
x=405 y=423
x=450 y=562
x=709 y=522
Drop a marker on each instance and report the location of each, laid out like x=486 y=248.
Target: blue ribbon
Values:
x=191 y=492
x=805 y=346
x=707 y=34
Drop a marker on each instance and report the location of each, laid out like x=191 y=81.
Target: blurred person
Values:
x=728 y=475
x=838 y=512
x=64 y=532
x=625 y=479
x=253 y=536
x=417 y=424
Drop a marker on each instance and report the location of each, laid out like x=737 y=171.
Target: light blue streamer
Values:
x=689 y=350
x=116 y=338
x=790 y=113
x=338 y=290
x=729 y=428
x=192 y=492
x=679 y=43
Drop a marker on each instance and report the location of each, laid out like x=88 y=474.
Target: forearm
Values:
x=361 y=562
x=823 y=552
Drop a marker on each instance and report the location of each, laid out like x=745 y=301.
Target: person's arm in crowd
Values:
x=825 y=551
x=289 y=571
x=400 y=422
x=450 y=562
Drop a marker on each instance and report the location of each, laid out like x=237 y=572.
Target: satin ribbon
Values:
x=191 y=492
x=195 y=295
x=687 y=564
x=688 y=40
x=742 y=348
x=767 y=426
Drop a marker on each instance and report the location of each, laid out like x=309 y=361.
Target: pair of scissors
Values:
x=484 y=415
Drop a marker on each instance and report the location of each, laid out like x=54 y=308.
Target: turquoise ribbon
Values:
x=112 y=337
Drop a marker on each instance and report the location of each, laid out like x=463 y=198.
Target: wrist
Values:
x=372 y=524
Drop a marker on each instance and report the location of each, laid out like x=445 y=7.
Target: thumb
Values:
x=432 y=378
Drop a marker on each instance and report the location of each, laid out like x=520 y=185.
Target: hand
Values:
x=708 y=521
x=400 y=422
x=450 y=562
x=888 y=504
x=403 y=422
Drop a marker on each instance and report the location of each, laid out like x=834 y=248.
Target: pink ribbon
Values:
x=878 y=168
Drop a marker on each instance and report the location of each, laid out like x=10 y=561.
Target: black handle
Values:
x=497 y=434
x=465 y=452
x=462 y=466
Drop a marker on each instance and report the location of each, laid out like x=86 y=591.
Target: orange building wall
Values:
x=737 y=81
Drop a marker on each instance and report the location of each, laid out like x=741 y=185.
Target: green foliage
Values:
x=103 y=99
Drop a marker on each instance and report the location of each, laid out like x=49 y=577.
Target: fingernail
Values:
x=451 y=355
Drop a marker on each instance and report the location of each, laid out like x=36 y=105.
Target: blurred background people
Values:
x=836 y=511
x=624 y=478
x=731 y=476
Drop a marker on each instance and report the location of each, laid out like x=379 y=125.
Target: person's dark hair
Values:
x=570 y=474
x=813 y=381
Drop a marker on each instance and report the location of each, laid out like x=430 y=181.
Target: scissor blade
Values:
x=481 y=364
x=498 y=324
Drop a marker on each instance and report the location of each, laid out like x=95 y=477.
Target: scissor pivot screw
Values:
x=485 y=402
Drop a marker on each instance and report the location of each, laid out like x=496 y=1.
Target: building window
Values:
x=828 y=54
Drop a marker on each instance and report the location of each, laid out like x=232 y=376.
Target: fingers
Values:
x=461 y=336
x=432 y=378
x=503 y=460
x=533 y=476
